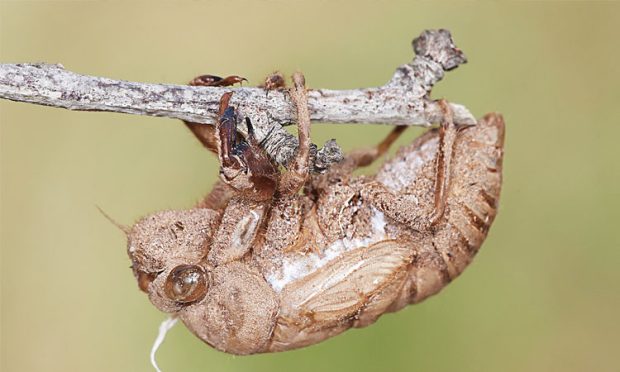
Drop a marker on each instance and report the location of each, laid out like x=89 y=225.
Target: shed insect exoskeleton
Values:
x=258 y=267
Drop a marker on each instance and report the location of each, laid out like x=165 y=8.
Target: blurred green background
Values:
x=542 y=295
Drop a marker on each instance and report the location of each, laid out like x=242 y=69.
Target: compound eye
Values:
x=186 y=283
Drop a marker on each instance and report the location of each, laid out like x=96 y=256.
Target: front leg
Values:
x=252 y=179
x=206 y=133
x=216 y=81
x=244 y=165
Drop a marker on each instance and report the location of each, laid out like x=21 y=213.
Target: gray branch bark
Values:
x=404 y=100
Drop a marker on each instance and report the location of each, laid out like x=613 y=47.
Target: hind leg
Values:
x=405 y=208
x=365 y=157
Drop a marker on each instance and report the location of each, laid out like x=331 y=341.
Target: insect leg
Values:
x=275 y=81
x=206 y=133
x=216 y=81
x=293 y=180
x=365 y=157
x=447 y=137
x=218 y=197
x=405 y=207
x=244 y=165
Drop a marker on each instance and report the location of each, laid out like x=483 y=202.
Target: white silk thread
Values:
x=164 y=327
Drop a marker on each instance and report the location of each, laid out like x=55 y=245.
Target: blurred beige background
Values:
x=542 y=295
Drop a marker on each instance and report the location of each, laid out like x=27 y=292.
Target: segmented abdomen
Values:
x=473 y=194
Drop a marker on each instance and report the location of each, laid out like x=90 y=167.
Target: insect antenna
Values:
x=123 y=228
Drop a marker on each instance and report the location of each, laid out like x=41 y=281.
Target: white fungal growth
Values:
x=401 y=172
x=299 y=265
x=164 y=327
x=378 y=222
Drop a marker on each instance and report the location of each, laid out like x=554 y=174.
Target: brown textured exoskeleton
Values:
x=259 y=267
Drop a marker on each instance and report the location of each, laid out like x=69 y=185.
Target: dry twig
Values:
x=405 y=99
